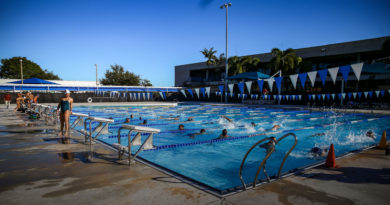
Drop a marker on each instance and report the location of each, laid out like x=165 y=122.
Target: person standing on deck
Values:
x=66 y=109
x=7 y=100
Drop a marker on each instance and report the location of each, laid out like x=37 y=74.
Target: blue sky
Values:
x=150 y=37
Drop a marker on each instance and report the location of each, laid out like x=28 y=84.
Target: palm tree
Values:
x=239 y=65
x=220 y=60
x=284 y=60
x=249 y=63
x=235 y=66
x=209 y=54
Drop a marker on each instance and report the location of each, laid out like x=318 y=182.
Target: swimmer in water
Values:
x=181 y=127
x=317 y=134
x=253 y=124
x=131 y=116
x=370 y=134
x=274 y=128
x=318 y=152
x=127 y=120
x=202 y=131
x=190 y=119
x=270 y=145
x=228 y=119
x=144 y=122
x=224 y=134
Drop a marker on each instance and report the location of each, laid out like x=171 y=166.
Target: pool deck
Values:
x=38 y=167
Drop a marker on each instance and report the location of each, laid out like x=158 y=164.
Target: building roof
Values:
x=360 y=46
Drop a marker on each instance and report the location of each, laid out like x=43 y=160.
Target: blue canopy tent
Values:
x=250 y=76
x=33 y=81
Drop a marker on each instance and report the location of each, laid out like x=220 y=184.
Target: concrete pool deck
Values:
x=38 y=167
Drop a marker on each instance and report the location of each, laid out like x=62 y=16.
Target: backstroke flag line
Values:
x=333 y=73
x=302 y=77
x=278 y=82
x=294 y=79
x=344 y=70
x=184 y=93
x=191 y=93
x=248 y=86
x=231 y=88
x=322 y=73
x=270 y=82
x=208 y=91
x=357 y=69
x=197 y=92
x=241 y=87
x=312 y=76
x=260 y=83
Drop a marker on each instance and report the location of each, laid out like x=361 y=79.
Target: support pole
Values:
x=342 y=91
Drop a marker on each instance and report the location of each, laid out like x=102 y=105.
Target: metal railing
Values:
x=262 y=165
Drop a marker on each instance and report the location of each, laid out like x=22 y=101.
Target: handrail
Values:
x=244 y=159
x=266 y=158
x=288 y=153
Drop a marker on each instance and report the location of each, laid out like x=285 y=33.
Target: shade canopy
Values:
x=250 y=76
x=33 y=81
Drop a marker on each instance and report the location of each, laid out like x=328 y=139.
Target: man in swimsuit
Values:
x=66 y=109
x=19 y=102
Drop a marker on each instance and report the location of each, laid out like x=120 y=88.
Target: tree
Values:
x=146 y=82
x=220 y=60
x=239 y=65
x=284 y=60
x=250 y=63
x=209 y=54
x=118 y=76
x=10 y=68
x=235 y=66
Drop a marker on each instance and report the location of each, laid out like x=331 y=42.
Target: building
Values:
x=318 y=57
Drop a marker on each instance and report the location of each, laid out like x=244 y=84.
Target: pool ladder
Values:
x=262 y=165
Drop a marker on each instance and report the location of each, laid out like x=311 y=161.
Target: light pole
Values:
x=96 y=75
x=21 y=70
x=226 y=60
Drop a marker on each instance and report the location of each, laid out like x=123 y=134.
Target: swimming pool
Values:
x=216 y=163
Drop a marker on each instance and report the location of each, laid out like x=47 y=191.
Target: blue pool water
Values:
x=216 y=163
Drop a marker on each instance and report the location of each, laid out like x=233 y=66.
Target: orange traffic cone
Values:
x=383 y=142
x=331 y=159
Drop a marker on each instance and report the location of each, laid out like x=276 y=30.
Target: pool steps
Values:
x=263 y=163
